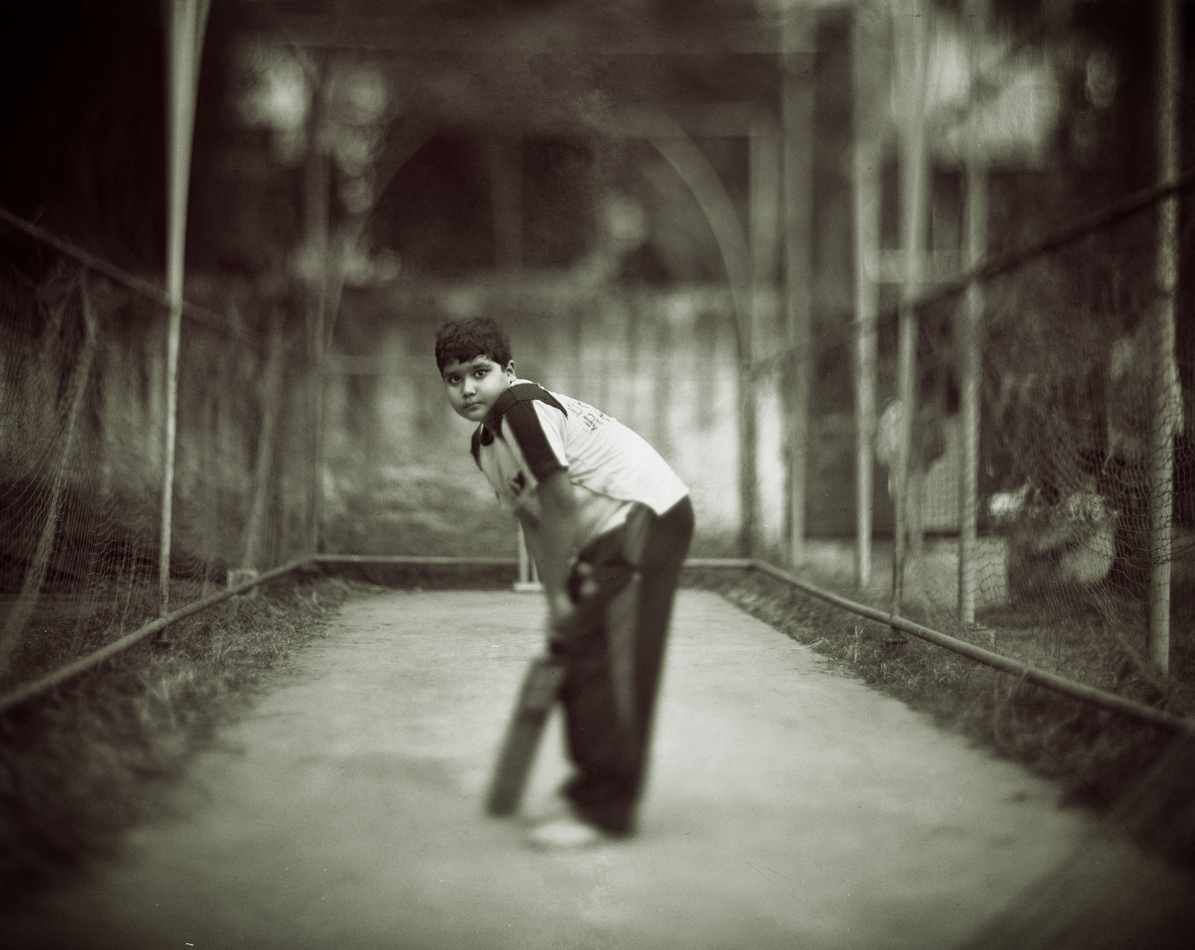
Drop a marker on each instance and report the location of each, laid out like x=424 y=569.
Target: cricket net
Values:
x=1075 y=386
x=82 y=419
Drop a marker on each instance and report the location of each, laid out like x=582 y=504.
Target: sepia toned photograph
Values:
x=597 y=474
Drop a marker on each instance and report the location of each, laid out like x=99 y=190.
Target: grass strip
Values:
x=27 y=691
x=1130 y=773
x=997 y=661
x=84 y=761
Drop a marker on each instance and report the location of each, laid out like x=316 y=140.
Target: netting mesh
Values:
x=1073 y=388
x=81 y=459
x=1070 y=389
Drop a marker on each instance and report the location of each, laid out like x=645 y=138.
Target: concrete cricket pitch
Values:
x=790 y=806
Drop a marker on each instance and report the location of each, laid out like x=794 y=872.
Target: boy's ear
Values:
x=509 y=369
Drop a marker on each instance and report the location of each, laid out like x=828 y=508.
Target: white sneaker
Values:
x=560 y=834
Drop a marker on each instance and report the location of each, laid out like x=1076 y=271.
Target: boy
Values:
x=603 y=516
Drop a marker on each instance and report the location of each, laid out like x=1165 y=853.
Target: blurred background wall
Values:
x=615 y=182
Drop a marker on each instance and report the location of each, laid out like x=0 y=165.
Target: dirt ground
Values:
x=790 y=806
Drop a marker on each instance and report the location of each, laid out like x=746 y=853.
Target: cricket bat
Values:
x=537 y=696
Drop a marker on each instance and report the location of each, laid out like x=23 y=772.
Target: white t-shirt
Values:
x=540 y=432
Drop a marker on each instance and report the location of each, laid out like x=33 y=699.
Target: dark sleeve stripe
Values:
x=475 y=448
x=523 y=391
x=523 y=422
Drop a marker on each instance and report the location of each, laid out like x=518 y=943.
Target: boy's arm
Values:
x=550 y=539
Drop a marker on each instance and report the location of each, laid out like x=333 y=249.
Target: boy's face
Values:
x=474 y=386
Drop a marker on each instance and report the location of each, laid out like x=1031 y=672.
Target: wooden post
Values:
x=317 y=211
x=184 y=44
x=866 y=159
x=799 y=41
x=912 y=61
x=765 y=178
x=748 y=437
x=970 y=368
x=1166 y=402
x=970 y=376
x=317 y=273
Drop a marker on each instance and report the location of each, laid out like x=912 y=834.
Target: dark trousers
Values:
x=623 y=585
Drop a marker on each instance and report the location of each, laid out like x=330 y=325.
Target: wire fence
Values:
x=1068 y=385
x=82 y=460
x=1074 y=394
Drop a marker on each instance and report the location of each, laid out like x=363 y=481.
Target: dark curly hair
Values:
x=463 y=340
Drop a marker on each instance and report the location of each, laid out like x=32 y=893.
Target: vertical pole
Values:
x=765 y=178
x=912 y=61
x=970 y=370
x=263 y=469
x=317 y=211
x=797 y=120
x=748 y=438
x=1165 y=401
x=184 y=41
x=970 y=375
x=528 y=579
x=868 y=152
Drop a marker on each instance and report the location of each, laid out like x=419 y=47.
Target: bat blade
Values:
x=537 y=696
